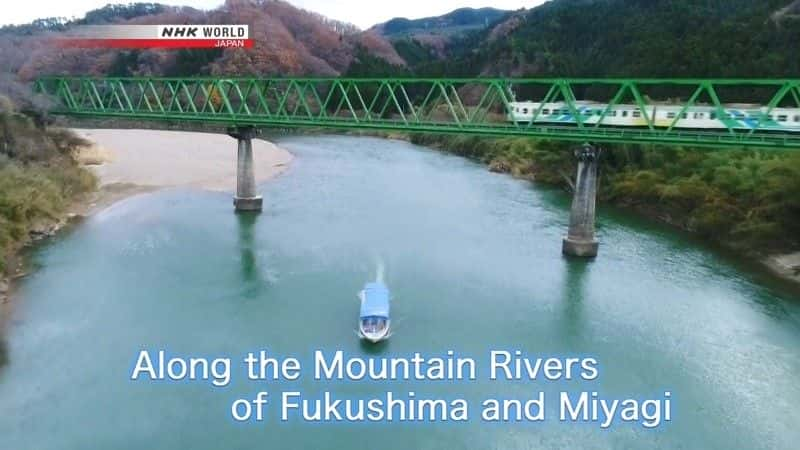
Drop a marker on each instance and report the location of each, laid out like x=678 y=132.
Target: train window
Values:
x=524 y=110
x=671 y=115
x=684 y=115
x=516 y=109
x=637 y=114
x=712 y=116
x=782 y=118
x=624 y=113
x=546 y=112
x=588 y=112
x=612 y=114
x=797 y=118
x=698 y=115
x=740 y=116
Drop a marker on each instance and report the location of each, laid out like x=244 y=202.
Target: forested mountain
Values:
x=455 y=22
x=687 y=38
x=290 y=41
x=431 y=38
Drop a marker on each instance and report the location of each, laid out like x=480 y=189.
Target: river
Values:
x=474 y=262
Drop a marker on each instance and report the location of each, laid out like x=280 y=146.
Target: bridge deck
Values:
x=464 y=106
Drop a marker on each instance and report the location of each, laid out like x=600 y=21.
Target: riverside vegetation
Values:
x=746 y=200
x=39 y=177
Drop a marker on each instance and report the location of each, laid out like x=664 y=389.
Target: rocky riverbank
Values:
x=785 y=266
x=15 y=266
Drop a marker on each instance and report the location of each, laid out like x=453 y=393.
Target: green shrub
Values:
x=38 y=177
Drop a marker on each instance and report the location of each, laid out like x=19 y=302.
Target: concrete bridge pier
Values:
x=580 y=240
x=246 y=198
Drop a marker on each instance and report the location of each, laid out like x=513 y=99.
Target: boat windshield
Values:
x=373 y=324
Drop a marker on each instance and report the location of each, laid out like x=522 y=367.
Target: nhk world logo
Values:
x=159 y=36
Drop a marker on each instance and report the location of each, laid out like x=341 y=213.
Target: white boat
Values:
x=374 y=323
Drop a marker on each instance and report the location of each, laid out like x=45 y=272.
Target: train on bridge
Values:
x=733 y=116
x=714 y=115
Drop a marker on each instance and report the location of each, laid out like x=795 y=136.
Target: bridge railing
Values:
x=467 y=106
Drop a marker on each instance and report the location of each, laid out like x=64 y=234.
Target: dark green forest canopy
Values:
x=637 y=38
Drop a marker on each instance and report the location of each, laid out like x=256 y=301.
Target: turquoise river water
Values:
x=474 y=263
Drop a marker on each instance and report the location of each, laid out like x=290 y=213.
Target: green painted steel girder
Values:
x=469 y=106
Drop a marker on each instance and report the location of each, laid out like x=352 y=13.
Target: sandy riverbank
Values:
x=154 y=159
x=129 y=162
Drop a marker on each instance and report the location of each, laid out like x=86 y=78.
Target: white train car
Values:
x=742 y=117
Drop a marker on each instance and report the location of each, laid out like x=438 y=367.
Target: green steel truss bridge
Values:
x=478 y=106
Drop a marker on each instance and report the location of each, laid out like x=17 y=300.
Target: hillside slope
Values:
x=458 y=21
x=421 y=41
x=289 y=41
x=712 y=38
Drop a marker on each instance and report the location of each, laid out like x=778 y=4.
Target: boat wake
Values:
x=379 y=272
